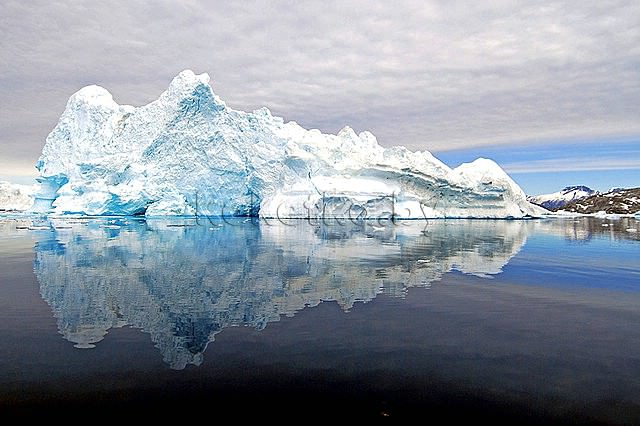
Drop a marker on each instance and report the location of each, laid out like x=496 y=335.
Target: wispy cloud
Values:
x=572 y=165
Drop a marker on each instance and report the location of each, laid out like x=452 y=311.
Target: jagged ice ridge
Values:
x=188 y=153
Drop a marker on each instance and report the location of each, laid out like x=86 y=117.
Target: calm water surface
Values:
x=523 y=320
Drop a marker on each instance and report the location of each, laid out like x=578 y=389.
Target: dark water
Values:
x=534 y=321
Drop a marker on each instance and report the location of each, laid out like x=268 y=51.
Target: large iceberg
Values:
x=187 y=153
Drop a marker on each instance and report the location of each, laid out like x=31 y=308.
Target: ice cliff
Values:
x=188 y=153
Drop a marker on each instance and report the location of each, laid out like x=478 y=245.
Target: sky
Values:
x=549 y=90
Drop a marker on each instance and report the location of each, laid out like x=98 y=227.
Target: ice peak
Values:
x=347 y=134
x=189 y=79
x=486 y=163
x=347 y=131
x=93 y=95
x=264 y=112
x=188 y=88
x=481 y=167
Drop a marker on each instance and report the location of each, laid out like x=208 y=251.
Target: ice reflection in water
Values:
x=184 y=281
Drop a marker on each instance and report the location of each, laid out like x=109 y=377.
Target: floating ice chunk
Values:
x=16 y=197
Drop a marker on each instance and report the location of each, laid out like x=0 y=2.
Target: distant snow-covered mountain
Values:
x=557 y=200
x=616 y=201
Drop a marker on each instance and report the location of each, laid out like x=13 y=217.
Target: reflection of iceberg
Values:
x=184 y=282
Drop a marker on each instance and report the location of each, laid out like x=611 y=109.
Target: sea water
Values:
x=535 y=320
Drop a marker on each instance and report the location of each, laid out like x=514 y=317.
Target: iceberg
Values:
x=188 y=153
x=15 y=197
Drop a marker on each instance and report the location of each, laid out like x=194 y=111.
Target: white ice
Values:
x=188 y=153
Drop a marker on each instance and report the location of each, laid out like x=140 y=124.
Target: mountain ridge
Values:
x=619 y=201
x=556 y=200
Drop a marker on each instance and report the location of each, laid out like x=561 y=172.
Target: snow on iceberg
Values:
x=188 y=153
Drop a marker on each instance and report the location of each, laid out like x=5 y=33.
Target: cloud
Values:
x=433 y=75
x=574 y=164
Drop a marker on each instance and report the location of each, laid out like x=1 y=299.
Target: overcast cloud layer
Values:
x=430 y=75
